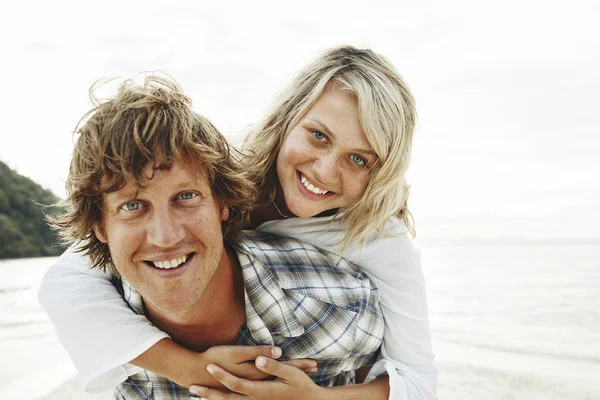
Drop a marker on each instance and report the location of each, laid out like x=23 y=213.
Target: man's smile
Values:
x=172 y=268
x=169 y=264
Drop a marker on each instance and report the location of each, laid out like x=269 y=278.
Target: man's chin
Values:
x=170 y=302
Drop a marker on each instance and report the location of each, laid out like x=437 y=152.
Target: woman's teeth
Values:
x=311 y=187
x=176 y=262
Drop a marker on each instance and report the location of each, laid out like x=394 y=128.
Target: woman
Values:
x=330 y=160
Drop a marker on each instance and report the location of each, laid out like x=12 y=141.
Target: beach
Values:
x=457 y=381
x=72 y=390
x=508 y=322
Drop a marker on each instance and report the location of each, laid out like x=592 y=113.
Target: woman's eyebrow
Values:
x=322 y=126
x=328 y=131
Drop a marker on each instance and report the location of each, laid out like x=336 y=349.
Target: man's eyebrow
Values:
x=328 y=131
x=124 y=194
x=133 y=193
x=188 y=184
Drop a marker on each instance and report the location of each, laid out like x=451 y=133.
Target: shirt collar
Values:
x=268 y=309
x=131 y=296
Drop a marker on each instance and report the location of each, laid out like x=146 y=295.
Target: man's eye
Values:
x=358 y=160
x=319 y=135
x=131 y=206
x=187 y=195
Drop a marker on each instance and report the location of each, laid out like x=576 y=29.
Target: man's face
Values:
x=165 y=239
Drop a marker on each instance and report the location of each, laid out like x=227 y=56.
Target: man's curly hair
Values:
x=144 y=124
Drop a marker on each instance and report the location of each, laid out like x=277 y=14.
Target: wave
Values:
x=14 y=289
x=525 y=351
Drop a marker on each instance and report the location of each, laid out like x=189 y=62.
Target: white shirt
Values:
x=102 y=334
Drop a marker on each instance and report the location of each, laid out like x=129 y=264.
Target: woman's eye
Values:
x=131 y=206
x=319 y=136
x=358 y=160
x=187 y=196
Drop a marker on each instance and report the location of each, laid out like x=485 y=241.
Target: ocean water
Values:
x=32 y=361
x=507 y=322
x=518 y=322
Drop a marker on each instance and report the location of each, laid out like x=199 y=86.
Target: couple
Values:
x=156 y=200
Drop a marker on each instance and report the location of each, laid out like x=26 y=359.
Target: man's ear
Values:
x=224 y=213
x=99 y=232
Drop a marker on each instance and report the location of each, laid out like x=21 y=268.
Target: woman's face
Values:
x=325 y=159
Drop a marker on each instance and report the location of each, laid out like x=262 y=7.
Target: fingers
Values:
x=214 y=394
x=268 y=351
x=230 y=381
x=279 y=369
x=246 y=370
x=291 y=380
x=305 y=364
x=249 y=353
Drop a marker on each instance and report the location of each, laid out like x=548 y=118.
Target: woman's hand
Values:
x=291 y=383
x=187 y=368
x=239 y=359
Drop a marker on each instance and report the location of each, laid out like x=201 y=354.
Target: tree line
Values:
x=24 y=231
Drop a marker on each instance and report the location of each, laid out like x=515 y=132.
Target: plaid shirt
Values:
x=310 y=302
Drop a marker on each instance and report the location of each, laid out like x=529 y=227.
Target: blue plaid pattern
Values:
x=310 y=302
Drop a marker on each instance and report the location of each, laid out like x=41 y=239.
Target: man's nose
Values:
x=164 y=229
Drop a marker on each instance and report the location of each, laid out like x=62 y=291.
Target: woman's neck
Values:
x=268 y=210
x=263 y=214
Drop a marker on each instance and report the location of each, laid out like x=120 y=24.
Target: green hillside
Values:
x=23 y=230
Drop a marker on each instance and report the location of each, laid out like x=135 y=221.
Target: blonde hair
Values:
x=387 y=114
x=149 y=124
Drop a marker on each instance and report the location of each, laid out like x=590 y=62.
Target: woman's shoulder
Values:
x=323 y=232
x=314 y=224
x=392 y=246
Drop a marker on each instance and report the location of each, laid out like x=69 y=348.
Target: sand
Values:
x=71 y=390
x=456 y=382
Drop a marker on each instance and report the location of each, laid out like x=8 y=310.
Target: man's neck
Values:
x=216 y=318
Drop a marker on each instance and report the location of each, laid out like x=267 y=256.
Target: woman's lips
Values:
x=306 y=192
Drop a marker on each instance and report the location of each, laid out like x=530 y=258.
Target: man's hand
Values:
x=291 y=383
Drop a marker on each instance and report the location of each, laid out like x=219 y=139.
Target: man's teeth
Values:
x=311 y=187
x=176 y=262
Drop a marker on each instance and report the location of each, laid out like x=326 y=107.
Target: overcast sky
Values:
x=508 y=92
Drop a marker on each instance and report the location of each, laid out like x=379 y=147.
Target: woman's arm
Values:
x=186 y=367
x=393 y=265
x=107 y=341
x=292 y=384
x=94 y=324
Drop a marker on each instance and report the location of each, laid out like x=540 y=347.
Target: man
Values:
x=155 y=194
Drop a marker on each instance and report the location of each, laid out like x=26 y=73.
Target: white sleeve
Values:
x=95 y=325
x=393 y=264
x=406 y=343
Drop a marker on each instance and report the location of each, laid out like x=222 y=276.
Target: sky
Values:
x=507 y=92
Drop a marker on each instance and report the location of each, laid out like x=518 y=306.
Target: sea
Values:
x=508 y=322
